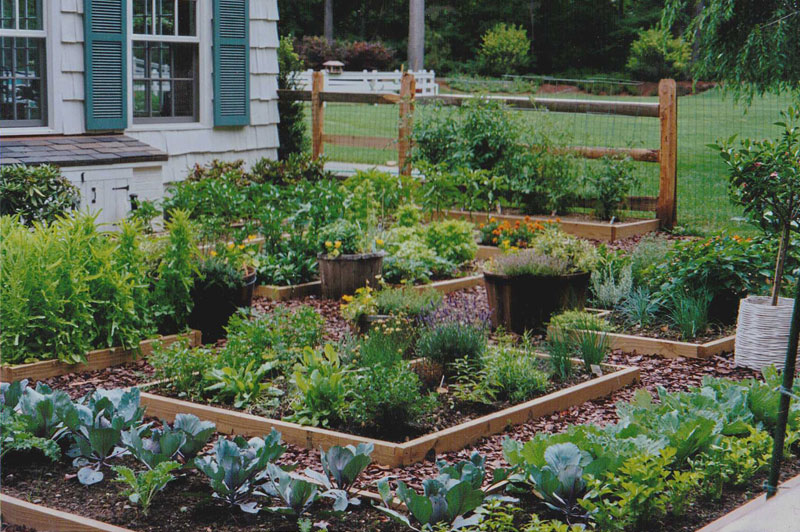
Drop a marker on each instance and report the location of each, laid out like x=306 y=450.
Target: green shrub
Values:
x=407 y=215
x=504 y=50
x=610 y=184
x=411 y=258
x=689 y=313
x=67 y=288
x=389 y=399
x=36 y=193
x=640 y=307
x=656 y=55
x=407 y=301
x=387 y=191
x=453 y=240
x=579 y=319
x=515 y=375
x=292 y=127
x=450 y=340
x=176 y=274
x=385 y=345
x=648 y=253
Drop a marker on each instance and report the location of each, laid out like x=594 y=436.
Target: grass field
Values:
x=703 y=119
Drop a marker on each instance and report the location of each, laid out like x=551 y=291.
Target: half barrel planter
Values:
x=345 y=274
x=522 y=303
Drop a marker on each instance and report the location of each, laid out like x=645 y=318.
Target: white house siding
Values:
x=186 y=144
x=190 y=144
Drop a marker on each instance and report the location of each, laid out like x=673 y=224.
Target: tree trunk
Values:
x=698 y=10
x=328 y=21
x=416 y=35
x=782 y=251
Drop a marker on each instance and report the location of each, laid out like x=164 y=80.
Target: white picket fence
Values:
x=370 y=81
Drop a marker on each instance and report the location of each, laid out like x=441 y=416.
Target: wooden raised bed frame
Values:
x=97 y=359
x=580 y=228
x=399 y=454
x=299 y=291
x=643 y=345
x=18 y=512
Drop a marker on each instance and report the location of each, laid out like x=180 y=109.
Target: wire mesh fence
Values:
x=704 y=117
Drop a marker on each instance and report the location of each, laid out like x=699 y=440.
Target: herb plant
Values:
x=143 y=486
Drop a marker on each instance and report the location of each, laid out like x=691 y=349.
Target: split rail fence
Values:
x=665 y=110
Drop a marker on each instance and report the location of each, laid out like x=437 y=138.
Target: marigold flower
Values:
x=337 y=244
x=213 y=253
x=328 y=244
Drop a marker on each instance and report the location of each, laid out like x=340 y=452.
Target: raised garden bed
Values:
x=398 y=454
x=299 y=291
x=97 y=359
x=643 y=344
x=595 y=230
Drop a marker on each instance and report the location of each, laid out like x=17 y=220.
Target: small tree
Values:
x=765 y=179
x=504 y=50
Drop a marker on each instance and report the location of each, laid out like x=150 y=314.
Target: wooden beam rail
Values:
x=666 y=110
x=556 y=105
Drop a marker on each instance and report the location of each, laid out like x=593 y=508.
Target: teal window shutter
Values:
x=105 y=53
x=231 y=62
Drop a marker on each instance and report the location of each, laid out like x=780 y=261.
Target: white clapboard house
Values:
x=127 y=95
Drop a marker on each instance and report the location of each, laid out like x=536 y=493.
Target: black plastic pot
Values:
x=215 y=301
x=526 y=302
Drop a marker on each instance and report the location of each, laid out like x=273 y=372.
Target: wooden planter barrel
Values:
x=526 y=302
x=345 y=274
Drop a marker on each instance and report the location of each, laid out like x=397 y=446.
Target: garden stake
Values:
x=771 y=485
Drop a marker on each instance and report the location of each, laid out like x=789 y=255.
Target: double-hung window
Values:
x=165 y=61
x=22 y=63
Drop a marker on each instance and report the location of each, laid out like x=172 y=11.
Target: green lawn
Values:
x=702 y=119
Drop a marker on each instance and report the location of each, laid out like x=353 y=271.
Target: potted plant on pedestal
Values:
x=526 y=287
x=349 y=259
x=765 y=179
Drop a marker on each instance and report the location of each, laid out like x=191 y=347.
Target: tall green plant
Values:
x=176 y=274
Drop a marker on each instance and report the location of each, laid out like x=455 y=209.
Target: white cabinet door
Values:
x=110 y=198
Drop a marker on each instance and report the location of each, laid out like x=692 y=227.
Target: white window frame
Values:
x=143 y=123
x=48 y=101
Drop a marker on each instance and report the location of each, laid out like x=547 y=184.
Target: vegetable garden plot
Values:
x=398 y=454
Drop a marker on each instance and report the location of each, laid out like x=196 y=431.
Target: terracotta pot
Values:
x=345 y=274
x=526 y=302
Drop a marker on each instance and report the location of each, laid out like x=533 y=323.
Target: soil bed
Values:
x=448 y=412
x=185 y=505
x=664 y=332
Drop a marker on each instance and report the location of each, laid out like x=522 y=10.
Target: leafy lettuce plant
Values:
x=96 y=423
x=242 y=386
x=143 y=486
x=236 y=465
x=321 y=381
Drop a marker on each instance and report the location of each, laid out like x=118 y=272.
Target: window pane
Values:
x=7 y=14
x=140 y=98
x=21 y=90
x=187 y=17
x=6 y=99
x=184 y=60
x=159 y=60
x=165 y=103
x=139 y=60
x=184 y=98
x=165 y=23
x=30 y=14
x=142 y=21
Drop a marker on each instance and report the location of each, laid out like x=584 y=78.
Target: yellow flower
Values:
x=379 y=241
x=328 y=244
x=230 y=245
x=347 y=299
x=241 y=246
x=337 y=244
x=251 y=237
x=213 y=253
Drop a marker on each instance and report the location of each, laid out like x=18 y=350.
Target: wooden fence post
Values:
x=667 y=210
x=408 y=92
x=317 y=114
